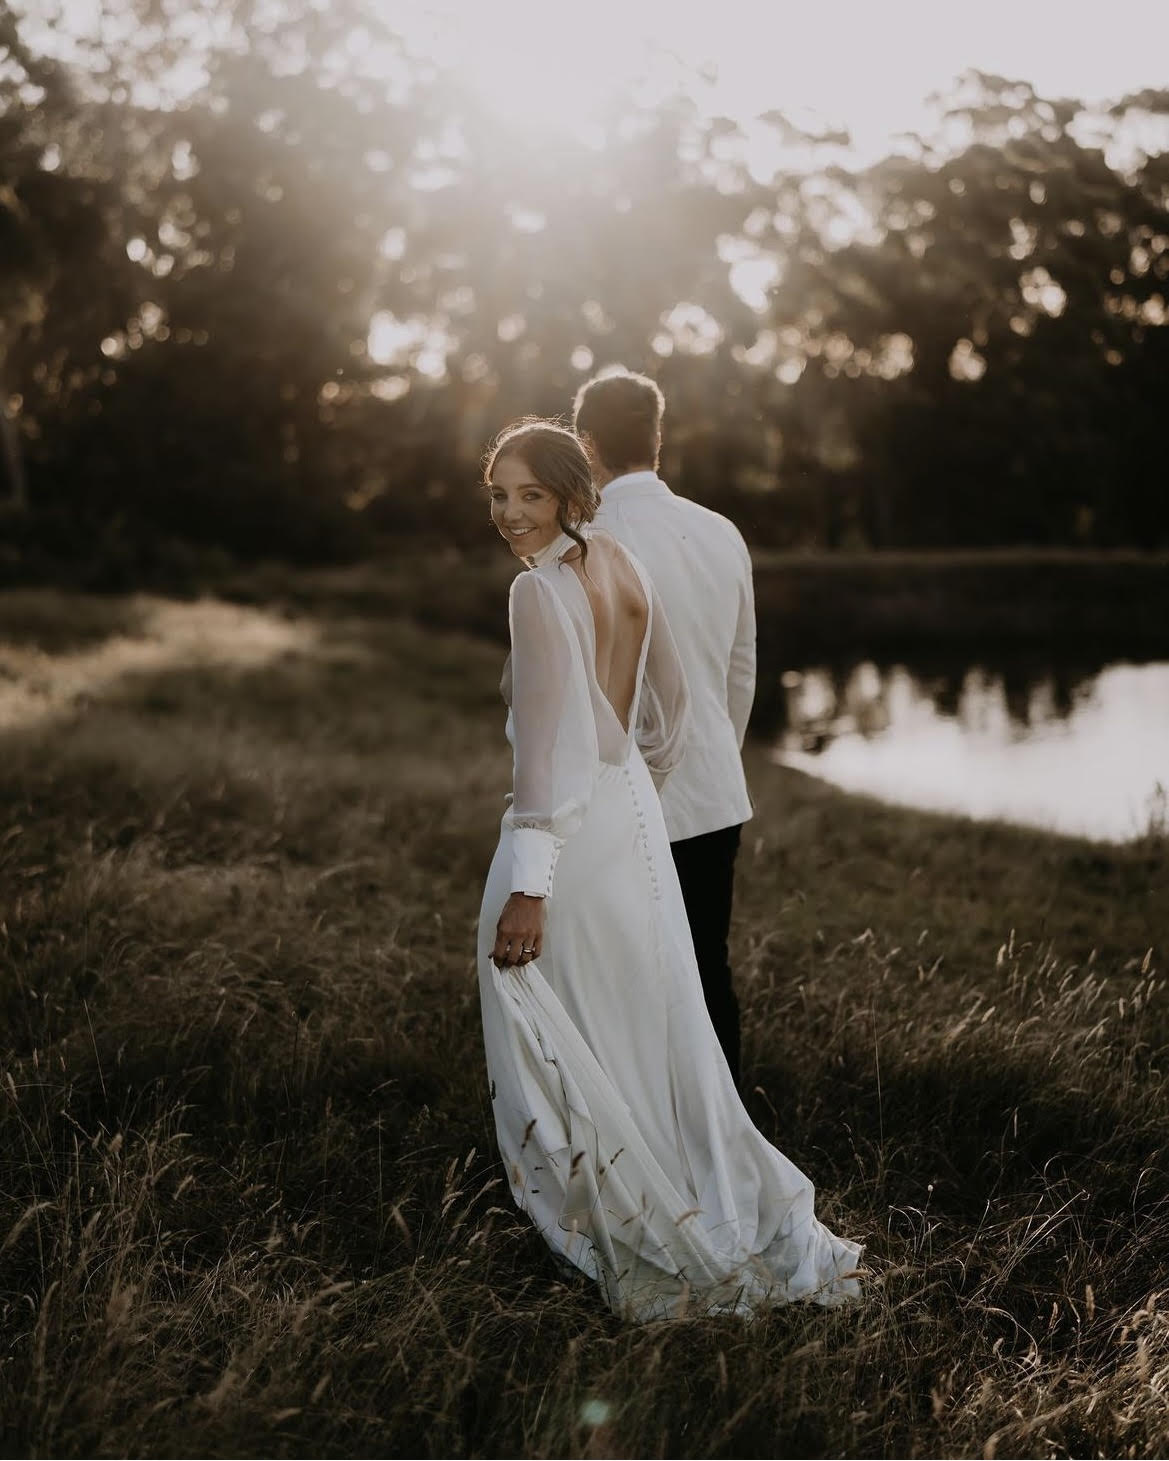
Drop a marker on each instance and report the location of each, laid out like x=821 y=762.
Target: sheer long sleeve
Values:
x=741 y=668
x=663 y=721
x=554 y=734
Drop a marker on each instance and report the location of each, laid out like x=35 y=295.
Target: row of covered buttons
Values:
x=640 y=810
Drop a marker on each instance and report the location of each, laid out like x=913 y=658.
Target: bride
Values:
x=620 y=1127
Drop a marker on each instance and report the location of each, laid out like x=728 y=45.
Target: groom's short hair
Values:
x=622 y=413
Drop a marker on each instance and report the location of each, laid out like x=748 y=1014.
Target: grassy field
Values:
x=249 y=1203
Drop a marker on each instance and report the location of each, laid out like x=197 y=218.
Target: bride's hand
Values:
x=519 y=935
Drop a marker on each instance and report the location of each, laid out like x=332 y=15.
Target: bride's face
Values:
x=524 y=512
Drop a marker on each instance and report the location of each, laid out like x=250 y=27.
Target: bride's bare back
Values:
x=620 y=617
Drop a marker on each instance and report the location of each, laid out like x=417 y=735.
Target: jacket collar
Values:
x=634 y=484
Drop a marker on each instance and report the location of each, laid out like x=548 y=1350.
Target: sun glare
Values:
x=555 y=68
x=535 y=66
x=869 y=69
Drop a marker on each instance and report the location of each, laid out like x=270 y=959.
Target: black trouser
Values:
x=706 y=870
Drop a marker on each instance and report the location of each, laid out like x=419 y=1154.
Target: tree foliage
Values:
x=283 y=307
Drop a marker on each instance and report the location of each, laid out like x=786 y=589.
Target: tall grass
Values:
x=249 y=1200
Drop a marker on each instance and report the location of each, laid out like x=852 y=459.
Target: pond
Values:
x=1074 y=748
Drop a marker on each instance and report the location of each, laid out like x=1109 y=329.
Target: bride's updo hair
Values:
x=557 y=461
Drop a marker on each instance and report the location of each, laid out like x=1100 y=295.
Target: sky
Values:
x=867 y=66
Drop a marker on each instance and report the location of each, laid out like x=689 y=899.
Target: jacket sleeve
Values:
x=663 y=720
x=741 y=667
x=554 y=734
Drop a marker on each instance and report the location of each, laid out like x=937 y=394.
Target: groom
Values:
x=701 y=569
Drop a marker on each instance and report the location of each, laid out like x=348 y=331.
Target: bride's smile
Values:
x=525 y=513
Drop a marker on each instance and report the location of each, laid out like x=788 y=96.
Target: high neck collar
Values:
x=559 y=545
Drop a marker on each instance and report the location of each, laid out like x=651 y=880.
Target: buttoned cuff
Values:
x=533 y=861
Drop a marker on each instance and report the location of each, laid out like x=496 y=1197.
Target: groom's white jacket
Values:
x=701 y=569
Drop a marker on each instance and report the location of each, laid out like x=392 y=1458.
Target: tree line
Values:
x=281 y=311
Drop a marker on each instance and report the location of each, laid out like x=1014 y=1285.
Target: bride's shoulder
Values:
x=533 y=593
x=607 y=546
x=615 y=549
x=526 y=587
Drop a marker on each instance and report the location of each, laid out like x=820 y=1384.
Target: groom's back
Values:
x=701 y=568
x=701 y=572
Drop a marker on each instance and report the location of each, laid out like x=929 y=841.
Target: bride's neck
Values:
x=559 y=545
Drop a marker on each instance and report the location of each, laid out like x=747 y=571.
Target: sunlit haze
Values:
x=868 y=68
x=863 y=66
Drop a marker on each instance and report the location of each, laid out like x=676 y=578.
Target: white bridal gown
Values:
x=621 y=1131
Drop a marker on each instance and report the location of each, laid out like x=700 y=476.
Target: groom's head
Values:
x=618 y=417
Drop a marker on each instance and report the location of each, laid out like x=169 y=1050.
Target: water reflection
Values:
x=1077 y=750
